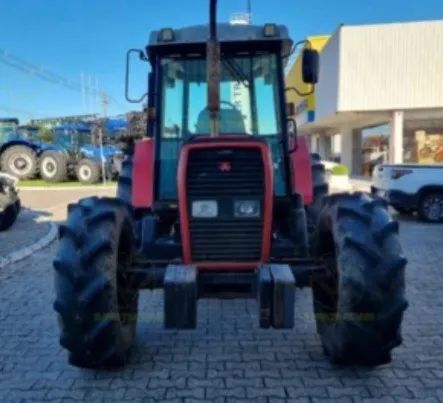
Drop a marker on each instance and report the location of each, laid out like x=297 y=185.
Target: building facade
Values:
x=387 y=75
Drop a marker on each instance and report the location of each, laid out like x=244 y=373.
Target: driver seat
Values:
x=231 y=122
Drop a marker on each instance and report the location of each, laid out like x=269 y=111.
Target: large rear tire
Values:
x=20 y=161
x=53 y=166
x=96 y=301
x=359 y=306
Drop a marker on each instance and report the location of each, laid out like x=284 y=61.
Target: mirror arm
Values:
x=299 y=93
x=296 y=45
x=143 y=57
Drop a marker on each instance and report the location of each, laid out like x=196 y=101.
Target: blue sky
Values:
x=91 y=36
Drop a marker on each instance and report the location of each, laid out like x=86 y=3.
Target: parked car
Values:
x=73 y=154
x=411 y=188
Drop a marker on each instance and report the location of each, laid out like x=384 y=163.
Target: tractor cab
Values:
x=8 y=129
x=217 y=155
x=252 y=96
x=71 y=137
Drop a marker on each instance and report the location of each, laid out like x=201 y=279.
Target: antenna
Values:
x=249 y=10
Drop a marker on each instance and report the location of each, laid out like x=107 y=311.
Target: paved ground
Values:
x=54 y=202
x=227 y=358
x=31 y=226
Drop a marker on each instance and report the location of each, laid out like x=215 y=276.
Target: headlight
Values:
x=247 y=209
x=204 y=209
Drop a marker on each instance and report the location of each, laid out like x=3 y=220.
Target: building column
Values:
x=324 y=146
x=351 y=154
x=346 y=148
x=396 y=138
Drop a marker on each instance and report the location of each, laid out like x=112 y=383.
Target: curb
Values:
x=29 y=250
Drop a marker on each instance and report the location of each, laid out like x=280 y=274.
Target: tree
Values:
x=45 y=134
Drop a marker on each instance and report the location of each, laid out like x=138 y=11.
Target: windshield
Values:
x=250 y=105
x=248 y=90
x=68 y=139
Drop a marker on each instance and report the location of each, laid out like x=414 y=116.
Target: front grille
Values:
x=225 y=175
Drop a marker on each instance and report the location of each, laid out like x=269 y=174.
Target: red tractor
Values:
x=222 y=200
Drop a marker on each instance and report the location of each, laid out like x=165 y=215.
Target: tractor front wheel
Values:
x=53 y=166
x=359 y=305
x=96 y=300
x=88 y=171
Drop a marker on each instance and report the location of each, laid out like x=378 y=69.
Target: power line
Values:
x=16 y=111
x=35 y=70
x=32 y=69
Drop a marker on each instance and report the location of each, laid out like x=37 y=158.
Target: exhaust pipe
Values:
x=213 y=71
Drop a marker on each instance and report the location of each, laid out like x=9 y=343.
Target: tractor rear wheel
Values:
x=20 y=161
x=88 y=171
x=53 y=166
x=96 y=300
x=359 y=306
x=320 y=191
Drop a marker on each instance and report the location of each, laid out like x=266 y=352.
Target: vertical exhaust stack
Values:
x=214 y=70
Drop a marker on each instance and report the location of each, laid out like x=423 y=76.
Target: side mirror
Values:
x=141 y=56
x=310 y=66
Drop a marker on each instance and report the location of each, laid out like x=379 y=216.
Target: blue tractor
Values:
x=19 y=153
x=75 y=154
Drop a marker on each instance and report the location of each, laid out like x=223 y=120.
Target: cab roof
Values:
x=227 y=33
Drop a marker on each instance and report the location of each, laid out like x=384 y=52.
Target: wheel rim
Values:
x=85 y=173
x=433 y=208
x=49 y=167
x=20 y=164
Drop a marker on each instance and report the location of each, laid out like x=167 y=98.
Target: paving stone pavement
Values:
x=227 y=359
x=29 y=228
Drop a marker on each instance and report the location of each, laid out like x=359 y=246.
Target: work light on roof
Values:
x=167 y=35
x=270 y=30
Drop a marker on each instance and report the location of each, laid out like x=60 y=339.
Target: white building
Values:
x=381 y=74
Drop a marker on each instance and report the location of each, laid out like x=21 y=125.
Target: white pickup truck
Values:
x=411 y=188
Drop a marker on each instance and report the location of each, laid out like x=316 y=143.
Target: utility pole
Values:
x=249 y=11
x=96 y=95
x=83 y=92
x=105 y=103
x=89 y=93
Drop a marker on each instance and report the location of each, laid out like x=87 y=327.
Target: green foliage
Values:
x=46 y=135
x=340 y=170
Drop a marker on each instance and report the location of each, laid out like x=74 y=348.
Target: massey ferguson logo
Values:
x=224 y=166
